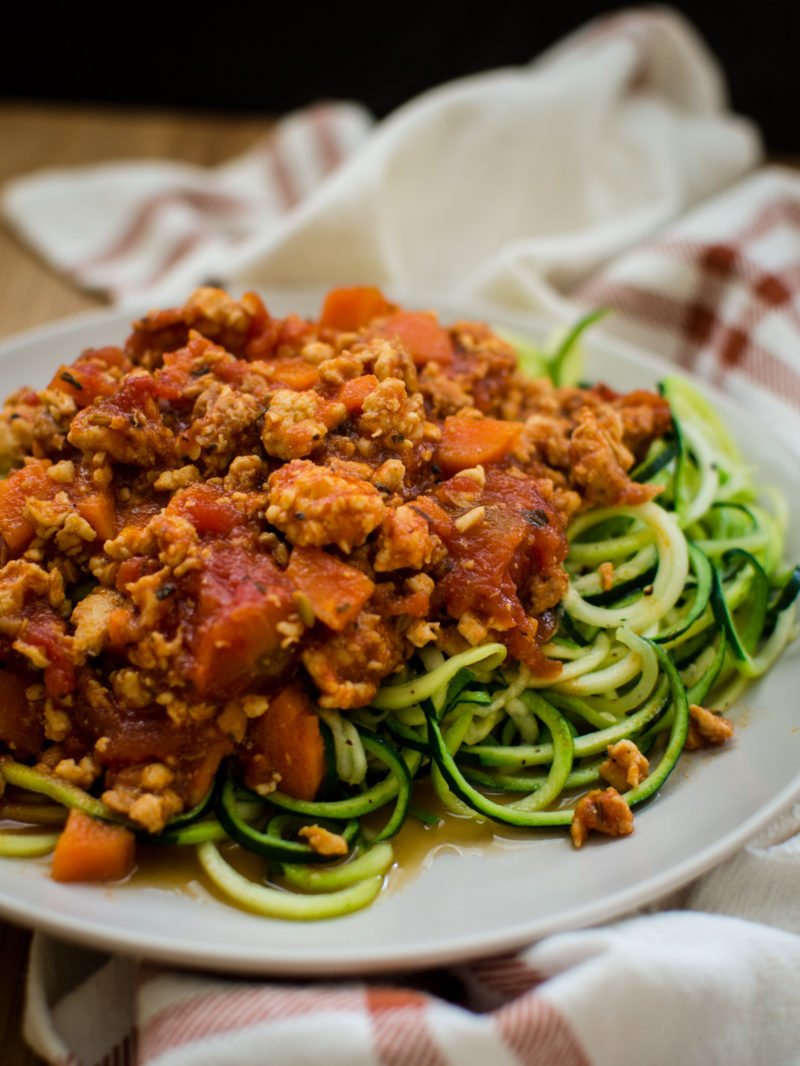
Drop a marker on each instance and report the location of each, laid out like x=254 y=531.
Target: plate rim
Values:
x=623 y=904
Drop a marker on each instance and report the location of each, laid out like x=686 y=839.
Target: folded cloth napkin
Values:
x=607 y=173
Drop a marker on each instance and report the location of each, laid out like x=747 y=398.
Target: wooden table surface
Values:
x=35 y=136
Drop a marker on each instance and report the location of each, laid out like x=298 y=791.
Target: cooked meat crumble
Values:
x=232 y=507
x=603 y=810
x=707 y=728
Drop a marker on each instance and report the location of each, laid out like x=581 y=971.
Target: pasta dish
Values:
x=260 y=575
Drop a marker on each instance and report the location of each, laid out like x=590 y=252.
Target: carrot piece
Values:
x=122 y=628
x=353 y=393
x=287 y=738
x=68 y=379
x=29 y=482
x=297 y=374
x=336 y=591
x=354 y=307
x=98 y=510
x=467 y=442
x=89 y=376
x=421 y=335
x=89 y=850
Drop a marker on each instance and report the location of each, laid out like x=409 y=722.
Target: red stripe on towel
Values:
x=537 y=1034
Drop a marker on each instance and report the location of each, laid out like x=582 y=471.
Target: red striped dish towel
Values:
x=712 y=983
x=607 y=173
x=127 y=228
x=718 y=293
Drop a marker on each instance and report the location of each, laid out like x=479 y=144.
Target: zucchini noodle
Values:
x=692 y=603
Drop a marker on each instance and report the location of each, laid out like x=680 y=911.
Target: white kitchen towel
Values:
x=511 y=186
x=133 y=229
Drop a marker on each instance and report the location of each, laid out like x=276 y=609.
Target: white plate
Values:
x=483 y=900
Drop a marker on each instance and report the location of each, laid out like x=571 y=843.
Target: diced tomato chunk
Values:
x=207 y=509
x=421 y=335
x=89 y=376
x=336 y=591
x=20 y=725
x=353 y=307
x=294 y=332
x=518 y=535
x=108 y=356
x=70 y=380
x=32 y=482
x=414 y=604
x=259 y=315
x=177 y=379
x=468 y=442
x=263 y=336
x=242 y=599
x=272 y=337
x=45 y=630
x=175 y=375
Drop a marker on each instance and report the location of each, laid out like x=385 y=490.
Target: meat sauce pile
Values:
x=235 y=517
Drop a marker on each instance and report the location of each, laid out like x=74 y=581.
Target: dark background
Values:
x=269 y=59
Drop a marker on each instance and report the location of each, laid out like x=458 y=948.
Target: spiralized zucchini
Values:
x=699 y=604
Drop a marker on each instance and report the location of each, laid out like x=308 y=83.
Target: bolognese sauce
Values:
x=234 y=518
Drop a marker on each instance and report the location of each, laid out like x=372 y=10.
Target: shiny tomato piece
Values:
x=20 y=727
x=130 y=570
x=242 y=599
x=45 y=630
x=207 y=509
x=90 y=375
